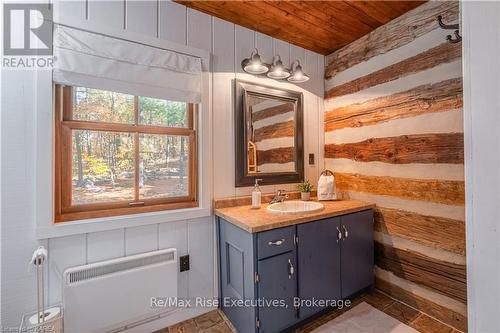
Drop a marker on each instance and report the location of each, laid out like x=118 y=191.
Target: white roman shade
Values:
x=97 y=61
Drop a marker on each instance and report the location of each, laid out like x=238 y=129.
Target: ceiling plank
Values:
x=319 y=26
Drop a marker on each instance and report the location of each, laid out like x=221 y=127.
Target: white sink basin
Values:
x=294 y=207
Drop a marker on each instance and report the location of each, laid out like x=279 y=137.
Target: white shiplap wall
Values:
x=229 y=44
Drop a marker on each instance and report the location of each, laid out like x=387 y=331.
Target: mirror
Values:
x=269 y=139
x=270 y=134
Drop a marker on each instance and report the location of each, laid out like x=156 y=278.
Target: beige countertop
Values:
x=256 y=220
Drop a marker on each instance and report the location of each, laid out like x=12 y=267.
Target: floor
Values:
x=211 y=322
x=216 y=322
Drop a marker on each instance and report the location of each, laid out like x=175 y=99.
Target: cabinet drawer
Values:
x=273 y=242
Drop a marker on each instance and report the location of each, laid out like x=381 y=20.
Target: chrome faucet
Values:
x=279 y=197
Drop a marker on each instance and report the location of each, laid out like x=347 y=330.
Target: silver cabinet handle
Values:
x=339 y=234
x=346 y=232
x=291 y=270
x=276 y=242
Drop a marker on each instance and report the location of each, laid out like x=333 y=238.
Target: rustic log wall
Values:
x=273 y=133
x=394 y=136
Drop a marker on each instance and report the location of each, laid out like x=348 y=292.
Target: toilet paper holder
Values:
x=53 y=321
x=43 y=320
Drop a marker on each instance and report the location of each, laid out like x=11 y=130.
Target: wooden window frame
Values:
x=64 y=124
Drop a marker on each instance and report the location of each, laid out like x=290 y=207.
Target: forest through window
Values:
x=122 y=151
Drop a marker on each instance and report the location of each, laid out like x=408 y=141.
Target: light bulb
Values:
x=278 y=71
x=298 y=76
x=254 y=64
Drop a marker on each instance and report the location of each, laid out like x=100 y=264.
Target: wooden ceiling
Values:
x=320 y=26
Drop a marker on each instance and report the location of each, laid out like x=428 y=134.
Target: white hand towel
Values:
x=326 y=188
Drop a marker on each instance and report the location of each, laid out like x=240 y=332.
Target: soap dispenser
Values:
x=256 y=195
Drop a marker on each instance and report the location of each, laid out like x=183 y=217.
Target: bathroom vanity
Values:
x=264 y=257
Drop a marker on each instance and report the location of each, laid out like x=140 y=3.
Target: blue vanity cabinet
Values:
x=277 y=283
x=237 y=274
x=328 y=259
x=356 y=252
x=319 y=262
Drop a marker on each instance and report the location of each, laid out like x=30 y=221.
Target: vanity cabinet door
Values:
x=236 y=274
x=277 y=281
x=357 y=252
x=319 y=263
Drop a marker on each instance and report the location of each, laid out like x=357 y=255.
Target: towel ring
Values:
x=326 y=172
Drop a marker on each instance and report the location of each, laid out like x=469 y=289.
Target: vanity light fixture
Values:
x=278 y=71
x=298 y=75
x=254 y=64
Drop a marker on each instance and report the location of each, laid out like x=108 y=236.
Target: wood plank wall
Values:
x=228 y=44
x=394 y=136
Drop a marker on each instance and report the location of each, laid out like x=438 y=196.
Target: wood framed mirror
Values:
x=269 y=136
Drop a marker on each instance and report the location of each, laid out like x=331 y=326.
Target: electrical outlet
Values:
x=184 y=263
x=311 y=159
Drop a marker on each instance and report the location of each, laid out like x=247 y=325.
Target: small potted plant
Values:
x=305 y=189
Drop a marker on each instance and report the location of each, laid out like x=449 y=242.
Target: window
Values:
x=118 y=154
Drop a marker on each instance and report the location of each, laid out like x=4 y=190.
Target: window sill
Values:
x=122 y=210
x=52 y=230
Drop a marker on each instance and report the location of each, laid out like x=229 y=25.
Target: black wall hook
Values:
x=457 y=39
x=455 y=27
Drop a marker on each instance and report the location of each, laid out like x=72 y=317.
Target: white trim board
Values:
x=481 y=51
x=118 y=222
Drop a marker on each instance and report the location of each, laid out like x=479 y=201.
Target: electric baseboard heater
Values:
x=108 y=295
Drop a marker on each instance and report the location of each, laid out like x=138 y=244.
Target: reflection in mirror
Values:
x=270 y=134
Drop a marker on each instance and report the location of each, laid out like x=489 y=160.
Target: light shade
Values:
x=254 y=64
x=278 y=71
x=298 y=75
